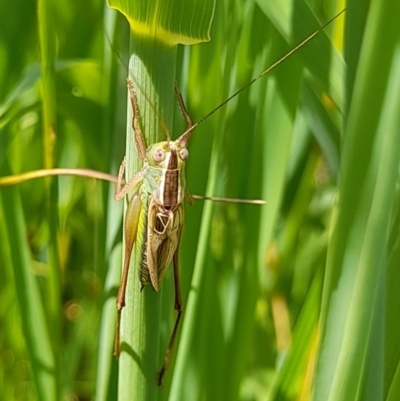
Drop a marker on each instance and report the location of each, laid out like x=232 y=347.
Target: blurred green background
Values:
x=294 y=300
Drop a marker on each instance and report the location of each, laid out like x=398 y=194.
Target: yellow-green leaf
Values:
x=172 y=21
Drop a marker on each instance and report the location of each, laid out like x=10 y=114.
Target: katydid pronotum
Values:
x=157 y=205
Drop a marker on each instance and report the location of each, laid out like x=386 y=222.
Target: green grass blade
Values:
x=48 y=86
x=48 y=48
x=32 y=311
x=116 y=35
x=353 y=336
x=140 y=357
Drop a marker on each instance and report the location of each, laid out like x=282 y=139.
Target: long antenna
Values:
x=271 y=67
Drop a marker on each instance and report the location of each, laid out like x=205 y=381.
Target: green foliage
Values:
x=296 y=299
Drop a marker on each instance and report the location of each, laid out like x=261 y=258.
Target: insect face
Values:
x=167 y=155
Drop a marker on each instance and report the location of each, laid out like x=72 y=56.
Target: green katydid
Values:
x=155 y=213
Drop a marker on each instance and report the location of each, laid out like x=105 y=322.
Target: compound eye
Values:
x=184 y=154
x=158 y=155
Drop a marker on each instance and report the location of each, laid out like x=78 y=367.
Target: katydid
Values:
x=155 y=213
x=158 y=205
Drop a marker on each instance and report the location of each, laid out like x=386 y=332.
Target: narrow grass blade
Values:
x=32 y=310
